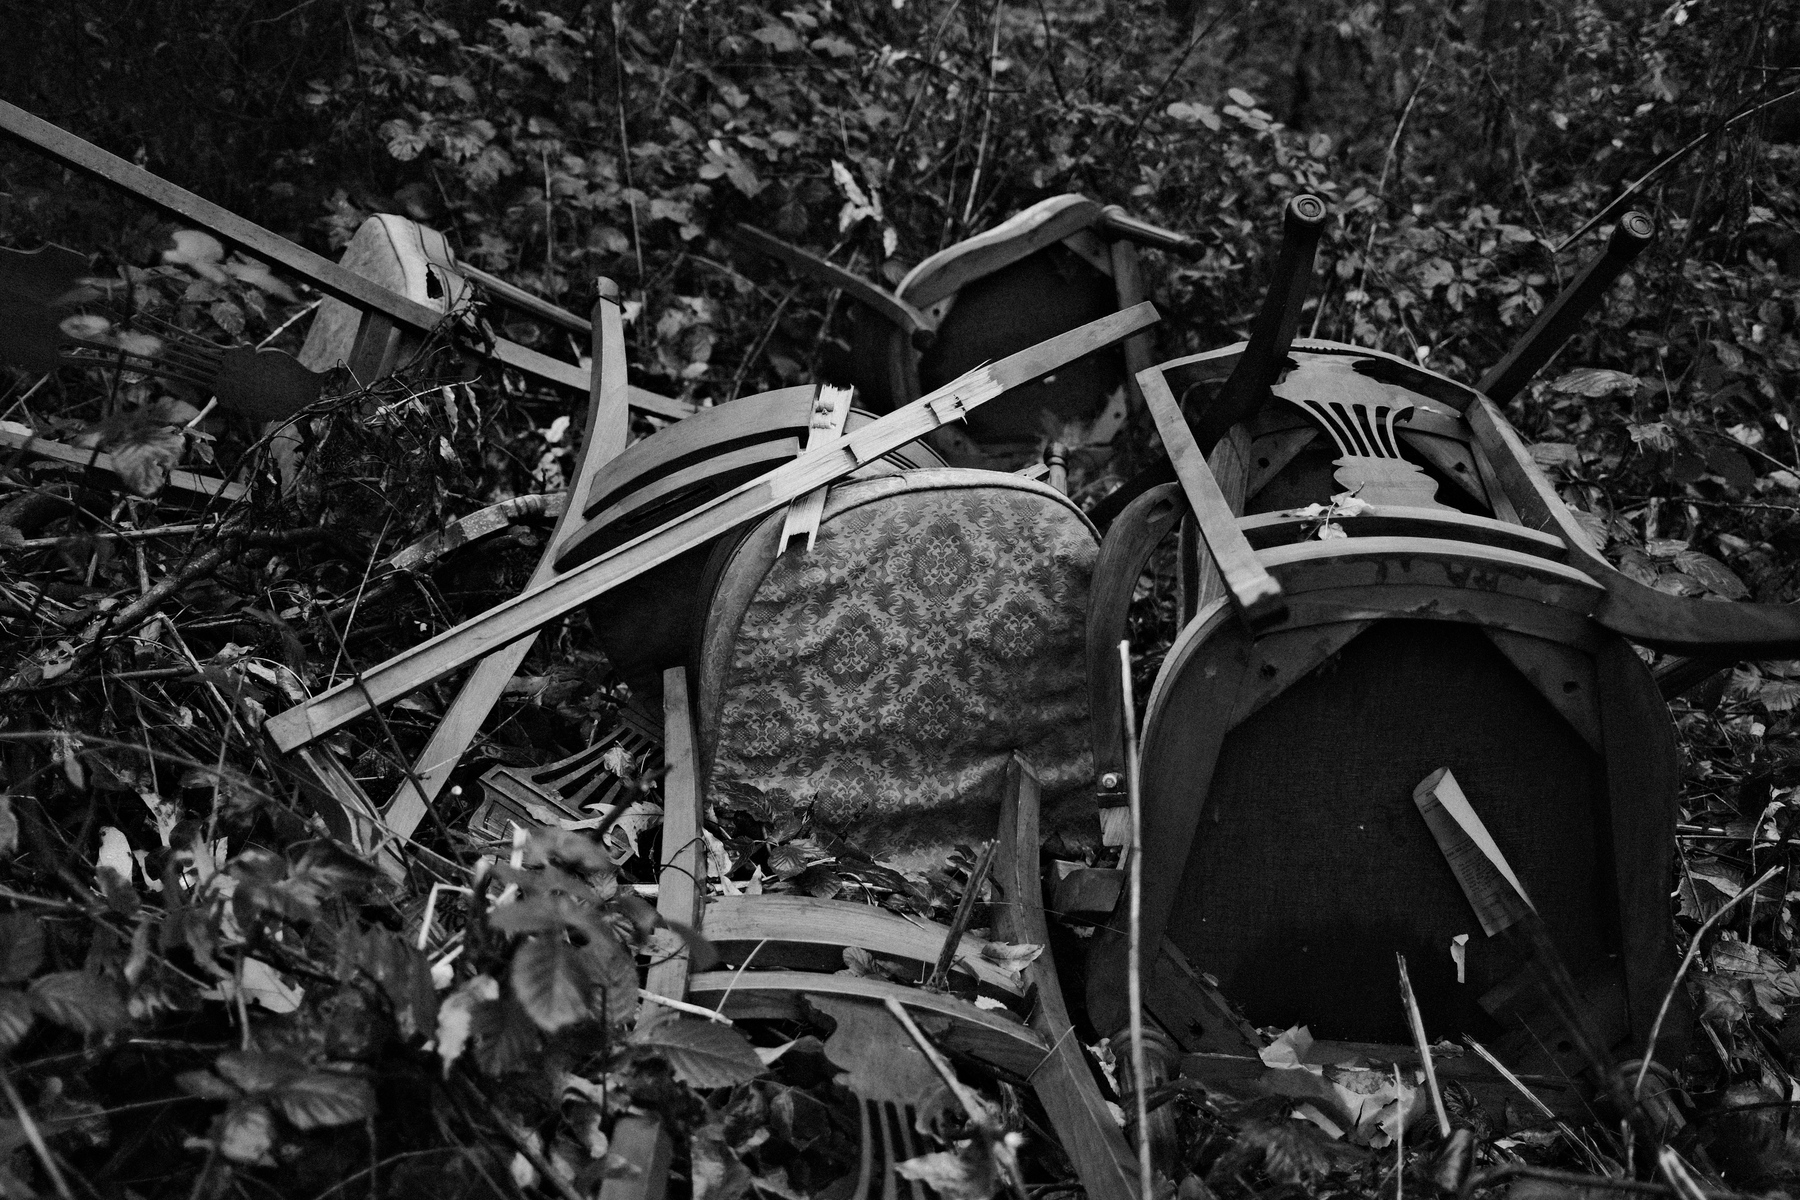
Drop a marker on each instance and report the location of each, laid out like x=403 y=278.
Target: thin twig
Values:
x=965 y=912
x=1416 y=1020
x=35 y=1136
x=1693 y=952
x=981 y=1115
x=1134 y=949
x=1387 y=163
x=987 y=120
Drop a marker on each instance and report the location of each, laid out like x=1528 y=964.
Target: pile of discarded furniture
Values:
x=1426 y=732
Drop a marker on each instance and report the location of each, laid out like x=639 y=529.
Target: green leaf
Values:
x=207 y=1086
x=21 y=947
x=778 y=37
x=613 y=979
x=247 y=1134
x=80 y=1000
x=1718 y=578
x=257 y=1071
x=966 y=1174
x=1595 y=382
x=703 y=1054
x=549 y=978
x=323 y=1099
x=15 y=1018
x=400 y=968
x=144 y=456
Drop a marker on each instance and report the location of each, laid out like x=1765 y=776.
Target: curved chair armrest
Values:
x=1117 y=224
x=1133 y=538
x=1019 y=236
x=920 y=328
x=1704 y=628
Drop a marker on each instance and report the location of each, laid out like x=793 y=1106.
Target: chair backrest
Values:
x=1284 y=851
x=402 y=256
x=646 y=625
x=886 y=677
x=1034 y=275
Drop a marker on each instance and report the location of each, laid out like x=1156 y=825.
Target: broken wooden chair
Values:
x=1059 y=263
x=647 y=625
x=1053 y=1064
x=782 y=957
x=1384 y=584
x=386 y=315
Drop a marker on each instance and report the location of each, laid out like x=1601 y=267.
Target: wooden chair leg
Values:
x=608 y=426
x=1128 y=283
x=1065 y=1083
x=643 y=1141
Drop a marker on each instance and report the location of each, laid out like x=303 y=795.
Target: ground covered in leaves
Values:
x=203 y=994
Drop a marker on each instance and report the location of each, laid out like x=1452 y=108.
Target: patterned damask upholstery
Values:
x=885 y=678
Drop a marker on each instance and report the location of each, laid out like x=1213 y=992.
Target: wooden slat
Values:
x=996 y=1038
x=1563 y=675
x=21 y=437
x=539 y=605
x=1643 y=774
x=809 y=920
x=642 y=1142
x=1229 y=466
x=887 y=305
x=1531 y=495
x=678 y=895
x=1129 y=543
x=331 y=278
x=1019 y=236
x=1065 y=1082
x=608 y=426
x=1253 y=589
x=1393 y=520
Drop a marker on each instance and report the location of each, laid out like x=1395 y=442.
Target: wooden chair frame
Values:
x=1262 y=608
x=1106 y=237
x=1040 y=1052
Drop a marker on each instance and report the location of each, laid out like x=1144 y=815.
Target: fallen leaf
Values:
x=1595 y=382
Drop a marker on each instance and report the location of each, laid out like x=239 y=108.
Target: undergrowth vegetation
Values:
x=203 y=993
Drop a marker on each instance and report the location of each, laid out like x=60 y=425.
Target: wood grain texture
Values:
x=811 y=920
x=1064 y=1083
x=607 y=427
x=537 y=606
